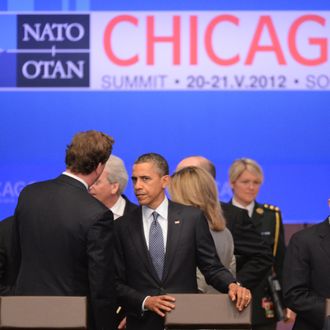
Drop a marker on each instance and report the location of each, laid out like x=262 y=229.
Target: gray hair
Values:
x=117 y=173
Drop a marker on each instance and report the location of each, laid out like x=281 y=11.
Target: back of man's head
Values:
x=87 y=150
x=117 y=173
x=198 y=161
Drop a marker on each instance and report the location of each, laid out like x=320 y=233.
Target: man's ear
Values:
x=165 y=181
x=114 y=188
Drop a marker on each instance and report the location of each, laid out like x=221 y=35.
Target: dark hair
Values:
x=87 y=150
x=157 y=159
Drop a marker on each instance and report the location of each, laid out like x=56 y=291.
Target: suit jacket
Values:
x=189 y=245
x=64 y=240
x=129 y=207
x=306 y=272
x=264 y=219
x=7 y=275
x=253 y=256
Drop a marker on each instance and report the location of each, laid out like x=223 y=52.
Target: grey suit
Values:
x=224 y=245
x=189 y=244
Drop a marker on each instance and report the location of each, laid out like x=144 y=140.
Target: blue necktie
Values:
x=156 y=245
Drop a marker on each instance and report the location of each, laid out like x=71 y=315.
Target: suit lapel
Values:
x=138 y=239
x=324 y=234
x=173 y=235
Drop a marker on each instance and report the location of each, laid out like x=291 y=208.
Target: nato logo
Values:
x=46 y=51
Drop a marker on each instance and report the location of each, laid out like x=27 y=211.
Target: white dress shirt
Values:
x=119 y=208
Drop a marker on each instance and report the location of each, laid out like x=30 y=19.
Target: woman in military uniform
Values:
x=246 y=177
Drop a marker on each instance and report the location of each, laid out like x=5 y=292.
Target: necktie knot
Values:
x=155 y=216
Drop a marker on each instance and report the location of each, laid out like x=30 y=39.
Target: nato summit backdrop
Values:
x=222 y=79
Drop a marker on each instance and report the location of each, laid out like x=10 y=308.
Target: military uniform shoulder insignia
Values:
x=260 y=210
x=271 y=207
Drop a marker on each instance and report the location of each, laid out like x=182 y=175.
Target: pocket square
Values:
x=176 y=222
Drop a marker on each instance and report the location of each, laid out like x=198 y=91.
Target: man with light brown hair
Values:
x=64 y=237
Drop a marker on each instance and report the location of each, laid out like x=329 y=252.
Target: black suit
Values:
x=306 y=275
x=129 y=206
x=189 y=244
x=7 y=275
x=253 y=256
x=65 y=240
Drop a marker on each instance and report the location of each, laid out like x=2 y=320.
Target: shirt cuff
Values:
x=144 y=300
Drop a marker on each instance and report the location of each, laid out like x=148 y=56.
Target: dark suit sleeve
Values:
x=254 y=257
x=100 y=251
x=127 y=296
x=207 y=258
x=297 y=291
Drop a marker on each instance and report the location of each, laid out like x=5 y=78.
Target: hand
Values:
x=289 y=315
x=160 y=304
x=241 y=295
x=122 y=324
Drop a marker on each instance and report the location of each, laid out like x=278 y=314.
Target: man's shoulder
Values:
x=173 y=206
x=303 y=236
x=62 y=182
x=129 y=217
x=37 y=185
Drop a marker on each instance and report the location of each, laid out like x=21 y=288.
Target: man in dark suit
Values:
x=109 y=187
x=64 y=237
x=6 y=259
x=253 y=255
x=159 y=246
x=306 y=283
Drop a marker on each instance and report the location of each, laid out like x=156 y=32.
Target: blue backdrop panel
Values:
x=286 y=132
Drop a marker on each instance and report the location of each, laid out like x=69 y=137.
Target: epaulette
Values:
x=271 y=207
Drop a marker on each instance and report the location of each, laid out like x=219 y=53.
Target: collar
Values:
x=76 y=177
x=162 y=209
x=118 y=208
x=249 y=207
